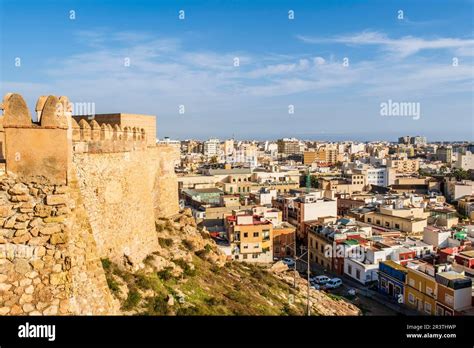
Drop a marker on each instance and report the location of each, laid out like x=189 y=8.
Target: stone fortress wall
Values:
x=74 y=192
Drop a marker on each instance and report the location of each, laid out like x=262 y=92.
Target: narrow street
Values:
x=369 y=301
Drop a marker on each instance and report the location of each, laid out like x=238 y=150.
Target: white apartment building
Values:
x=170 y=142
x=464 y=161
x=212 y=147
x=437 y=237
x=380 y=176
x=458 y=189
x=355 y=148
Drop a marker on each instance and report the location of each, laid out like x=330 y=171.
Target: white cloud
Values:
x=402 y=47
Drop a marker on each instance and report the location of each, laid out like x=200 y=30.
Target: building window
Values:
x=349 y=269
x=411 y=281
x=387 y=224
x=369 y=220
x=266 y=234
x=449 y=299
x=255 y=256
x=256 y=246
x=358 y=273
x=246 y=234
x=397 y=226
x=411 y=298
x=255 y=234
x=428 y=307
x=429 y=291
x=377 y=222
x=244 y=256
x=246 y=246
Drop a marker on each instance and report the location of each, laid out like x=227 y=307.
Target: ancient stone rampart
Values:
x=75 y=193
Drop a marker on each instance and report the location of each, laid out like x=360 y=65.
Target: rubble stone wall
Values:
x=49 y=263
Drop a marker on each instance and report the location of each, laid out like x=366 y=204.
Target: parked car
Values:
x=321 y=279
x=333 y=283
x=352 y=292
x=289 y=261
x=315 y=286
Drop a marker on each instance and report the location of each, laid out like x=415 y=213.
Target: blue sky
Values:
x=283 y=62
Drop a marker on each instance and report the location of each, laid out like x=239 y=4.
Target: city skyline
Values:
x=331 y=64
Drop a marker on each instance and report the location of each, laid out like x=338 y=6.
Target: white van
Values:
x=321 y=279
x=333 y=283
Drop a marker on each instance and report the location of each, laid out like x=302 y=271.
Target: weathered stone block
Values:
x=41 y=305
x=10 y=222
x=60 y=189
x=52 y=219
x=21 y=230
x=22 y=217
x=5 y=210
x=20 y=226
x=38 y=240
x=37 y=264
x=58 y=238
x=28 y=307
x=25 y=282
x=22 y=266
x=5 y=287
x=31 y=274
x=57 y=278
x=22 y=239
x=63 y=211
x=26 y=207
x=19 y=189
x=48 y=230
x=34 y=231
x=64 y=306
x=4 y=310
x=42 y=210
x=15 y=310
x=56 y=199
x=20 y=198
x=29 y=289
x=51 y=310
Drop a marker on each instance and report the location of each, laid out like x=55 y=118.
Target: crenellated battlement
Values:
x=37 y=150
x=45 y=148
x=118 y=127
x=106 y=138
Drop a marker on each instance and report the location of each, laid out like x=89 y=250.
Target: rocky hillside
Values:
x=188 y=275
